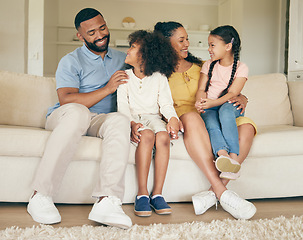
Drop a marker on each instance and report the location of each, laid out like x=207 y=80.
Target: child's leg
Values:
x=212 y=123
x=157 y=201
x=161 y=161
x=227 y=117
x=143 y=159
x=246 y=136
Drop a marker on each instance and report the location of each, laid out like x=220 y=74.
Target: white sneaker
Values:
x=203 y=201
x=227 y=164
x=43 y=210
x=238 y=207
x=109 y=212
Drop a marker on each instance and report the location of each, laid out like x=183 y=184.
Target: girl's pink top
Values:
x=221 y=76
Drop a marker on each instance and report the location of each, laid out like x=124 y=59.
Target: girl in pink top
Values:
x=222 y=78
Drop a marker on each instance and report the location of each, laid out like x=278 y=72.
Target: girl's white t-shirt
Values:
x=221 y=76
x=148 y=96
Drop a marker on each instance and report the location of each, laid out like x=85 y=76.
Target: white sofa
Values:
x=273 y=168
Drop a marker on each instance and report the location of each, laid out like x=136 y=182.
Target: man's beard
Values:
x=95 y=48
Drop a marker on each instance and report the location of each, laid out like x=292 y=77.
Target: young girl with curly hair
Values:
x=222 y=77
x=145 y=99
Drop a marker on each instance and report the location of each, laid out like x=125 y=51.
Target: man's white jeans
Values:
x=68 y=123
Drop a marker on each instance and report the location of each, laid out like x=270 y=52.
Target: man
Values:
x=87 y=80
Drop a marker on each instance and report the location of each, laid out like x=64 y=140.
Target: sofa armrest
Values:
x=296 y=100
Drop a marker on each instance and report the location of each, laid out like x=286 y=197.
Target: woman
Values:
x=184 y=84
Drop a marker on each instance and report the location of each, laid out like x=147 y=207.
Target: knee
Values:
x=147 y=137
x=191 y=120
x=246 y=132
x=227 y=108
x=119 y=119
x=162 y=139
x=78 y=117
x=117 y=123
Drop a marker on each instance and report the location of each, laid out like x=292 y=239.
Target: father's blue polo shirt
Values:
x=88 y=72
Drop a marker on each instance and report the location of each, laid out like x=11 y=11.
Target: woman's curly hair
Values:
x=155 y=51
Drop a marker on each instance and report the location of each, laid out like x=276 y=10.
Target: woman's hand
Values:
x=172 y=127
x=135 y=134
x=240 y=101
x=198 y=106
x=181 y=128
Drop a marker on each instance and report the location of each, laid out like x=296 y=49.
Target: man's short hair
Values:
x=84 y=15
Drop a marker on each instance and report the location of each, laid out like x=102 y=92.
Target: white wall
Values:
x=13 y=31
x=260 y=28
x=258 y=22
x=50 y=37
x=145 y=13
x=295 y=61
x=35 y=37
x=260 y=25
x=261 y=35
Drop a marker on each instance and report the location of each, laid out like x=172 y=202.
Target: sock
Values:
x=140 y=196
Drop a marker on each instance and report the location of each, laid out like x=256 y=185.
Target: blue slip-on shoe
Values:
x=159 y=205
x=142 y=206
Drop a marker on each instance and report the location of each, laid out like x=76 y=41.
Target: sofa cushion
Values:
x=19 y=141
x=24 y=99
x=278 y=140
x=178 y=149
x=268 y=100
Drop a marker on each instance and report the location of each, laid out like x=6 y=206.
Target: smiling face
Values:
x=132 y=57
x=217 y=48
x=179 y=41
x=95 y=34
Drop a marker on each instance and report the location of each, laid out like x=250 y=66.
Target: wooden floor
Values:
x=15 y=214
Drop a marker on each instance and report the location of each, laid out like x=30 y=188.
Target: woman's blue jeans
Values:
x=221 y=125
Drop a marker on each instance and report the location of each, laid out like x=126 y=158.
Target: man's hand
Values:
x=118 y=78
x=135 y=135
x=240 y=101
x=172 y=127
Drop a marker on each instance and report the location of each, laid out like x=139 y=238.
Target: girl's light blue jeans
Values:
x=221 y=125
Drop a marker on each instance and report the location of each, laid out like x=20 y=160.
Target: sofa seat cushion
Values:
x=277 y=140
x=17 y=141
x=30 y=142
x=178 y=150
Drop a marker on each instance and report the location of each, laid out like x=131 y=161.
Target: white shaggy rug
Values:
x=277 y=228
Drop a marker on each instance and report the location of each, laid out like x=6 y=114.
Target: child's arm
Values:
x=124 y=108
x=201 y=94
x=166 y=105
x=234 y=90
x=122 y=100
